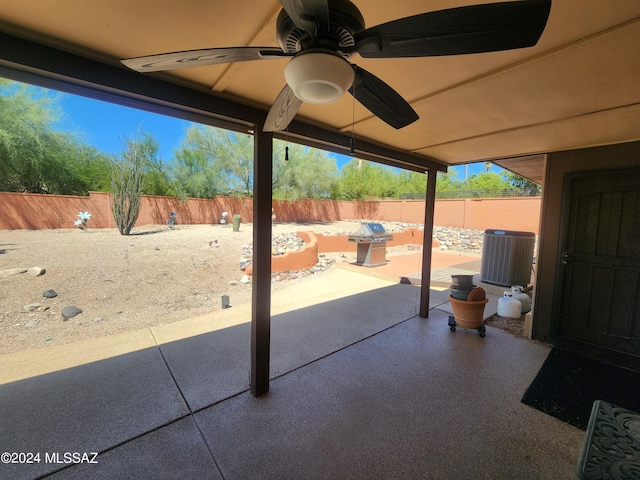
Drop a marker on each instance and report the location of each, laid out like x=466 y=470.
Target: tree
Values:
x=127 y=178
x=196 y=176
x=212 y=161
x=155 y=177
x=34 y=156
x=516 y=181
x=447 y=184
x=362 y=179
x=412 y=184
x=308 y=173
x=486 y=182
x=236 y=155
x=89 y=169
x=32 y=153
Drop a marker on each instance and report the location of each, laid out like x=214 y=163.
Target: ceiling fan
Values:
x=321 y=35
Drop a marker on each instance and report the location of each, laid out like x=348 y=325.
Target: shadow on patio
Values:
x=361 y=388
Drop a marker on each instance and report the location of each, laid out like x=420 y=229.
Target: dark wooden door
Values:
x=599 y=264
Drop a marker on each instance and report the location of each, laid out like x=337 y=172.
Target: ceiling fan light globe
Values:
x=319 y=78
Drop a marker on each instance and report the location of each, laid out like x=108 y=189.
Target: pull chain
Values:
x=286 y=148
x=352 y=141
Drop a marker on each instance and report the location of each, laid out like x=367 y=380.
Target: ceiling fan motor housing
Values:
x=319 y=73
x=345 y=20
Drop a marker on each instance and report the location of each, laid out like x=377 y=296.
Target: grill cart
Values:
x=372 y=241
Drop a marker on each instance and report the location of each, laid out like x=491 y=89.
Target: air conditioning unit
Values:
x=507 y=257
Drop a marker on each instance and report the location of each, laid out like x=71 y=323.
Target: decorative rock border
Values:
x=303 y=259
x=291 y=260
x=308 y=258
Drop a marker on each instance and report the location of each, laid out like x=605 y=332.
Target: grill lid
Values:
x=370 y=233
x=371 y=230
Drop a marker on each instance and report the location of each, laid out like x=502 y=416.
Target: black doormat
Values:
x=567 y=385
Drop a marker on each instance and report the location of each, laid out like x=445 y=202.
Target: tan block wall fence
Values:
x=35 y=212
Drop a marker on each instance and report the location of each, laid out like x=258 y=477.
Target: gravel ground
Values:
x=154 y=276
x=121 y=283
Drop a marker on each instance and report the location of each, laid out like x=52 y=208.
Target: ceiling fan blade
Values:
x=471 y=29
x=197 y=58
x=310 y=15
x=282 y=111
x=381 y=100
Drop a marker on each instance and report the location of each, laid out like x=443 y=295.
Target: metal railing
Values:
x=450 y=194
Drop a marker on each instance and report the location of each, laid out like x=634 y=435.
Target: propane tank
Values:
x=509 y=306
x=522 y=297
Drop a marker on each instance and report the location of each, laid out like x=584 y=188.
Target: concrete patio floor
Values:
x=362 y=387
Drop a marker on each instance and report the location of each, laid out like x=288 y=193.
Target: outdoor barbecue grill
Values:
x=372 y=241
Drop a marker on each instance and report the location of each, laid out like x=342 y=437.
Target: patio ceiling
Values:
x=578 y=87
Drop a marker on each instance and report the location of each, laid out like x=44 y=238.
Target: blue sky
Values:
x=105 y=125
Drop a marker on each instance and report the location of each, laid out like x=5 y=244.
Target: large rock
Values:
x=70 y=312
x=36 y=271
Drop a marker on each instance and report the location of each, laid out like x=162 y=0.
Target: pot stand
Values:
x=452 y=325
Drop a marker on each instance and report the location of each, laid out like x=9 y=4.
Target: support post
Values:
x=261 y=285
x=427 y=242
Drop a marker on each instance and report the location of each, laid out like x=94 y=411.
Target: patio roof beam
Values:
x=339 y=142
x=34 y=63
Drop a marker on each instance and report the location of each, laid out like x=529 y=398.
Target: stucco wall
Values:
x=34 y=212
x=31 y=211
x=519 y=213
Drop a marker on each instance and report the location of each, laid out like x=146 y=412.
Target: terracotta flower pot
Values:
x=468 y=314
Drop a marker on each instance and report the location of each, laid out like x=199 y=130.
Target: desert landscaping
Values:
x=154 y=276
